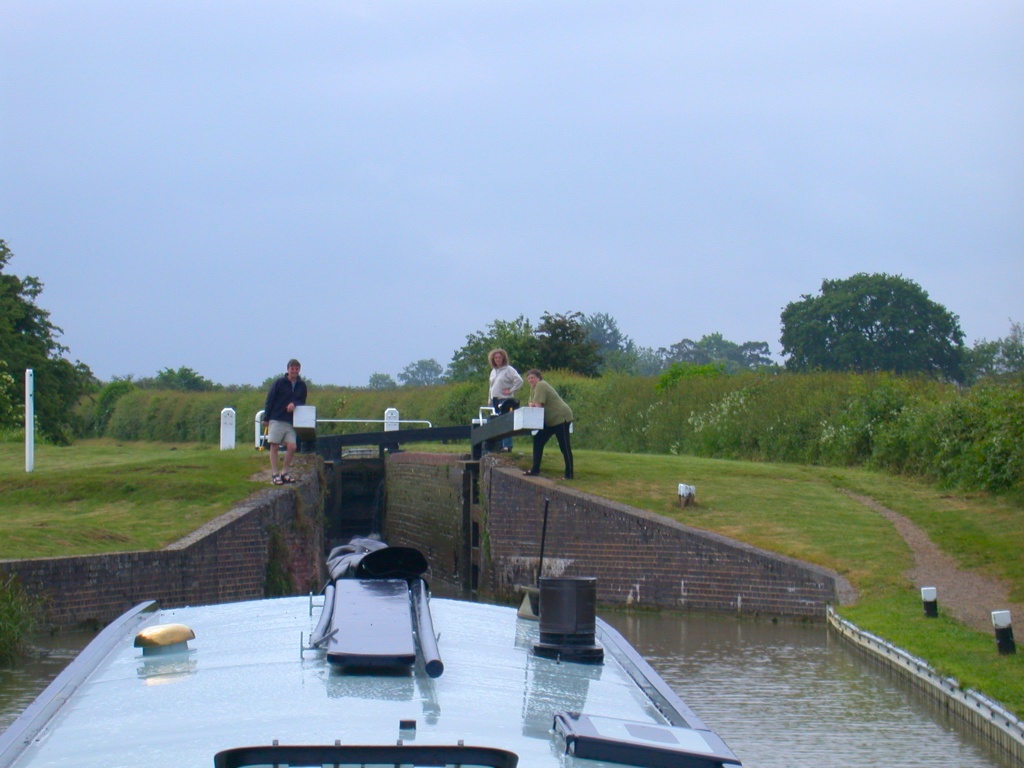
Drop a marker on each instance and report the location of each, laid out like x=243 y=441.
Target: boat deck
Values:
x=247 y=681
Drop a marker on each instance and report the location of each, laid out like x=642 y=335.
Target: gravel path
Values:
x=964 y=595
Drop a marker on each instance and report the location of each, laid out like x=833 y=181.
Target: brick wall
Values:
x=223 y=561
x=639 y=558
x=424 y=503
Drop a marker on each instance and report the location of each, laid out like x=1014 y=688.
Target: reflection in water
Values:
x=790 y=695
x=26 y=679
x=161 y=670
x=548 y=690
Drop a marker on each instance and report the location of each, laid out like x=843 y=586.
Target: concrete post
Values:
x=227 y=429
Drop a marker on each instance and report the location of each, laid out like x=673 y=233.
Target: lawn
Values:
x=102 y=496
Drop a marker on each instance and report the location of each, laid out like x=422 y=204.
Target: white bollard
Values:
x=687 y=494
x=1004 y=632
x=227 y=429
x=930 y=600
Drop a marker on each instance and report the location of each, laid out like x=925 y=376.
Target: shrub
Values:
x=17 y=619
x=971 y=439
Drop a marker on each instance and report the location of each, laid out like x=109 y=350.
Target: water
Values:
x=782 y=695
x=21 y=683
x=791 y=695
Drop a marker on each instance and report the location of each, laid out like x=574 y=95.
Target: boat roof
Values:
x=249 y=678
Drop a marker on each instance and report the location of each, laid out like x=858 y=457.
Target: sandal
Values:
x=287 y=478
x=277 y=480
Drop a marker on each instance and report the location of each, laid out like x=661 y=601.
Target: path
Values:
x=964 y=595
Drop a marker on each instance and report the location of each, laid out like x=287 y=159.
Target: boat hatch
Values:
x=642 y=744
x=350 y=756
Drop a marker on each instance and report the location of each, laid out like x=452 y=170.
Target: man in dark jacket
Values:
x=285 y=393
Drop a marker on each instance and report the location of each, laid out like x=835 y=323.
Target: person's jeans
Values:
x=504 y=405
x=561 y=433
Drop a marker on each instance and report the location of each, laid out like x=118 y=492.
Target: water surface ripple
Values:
x=791 y=695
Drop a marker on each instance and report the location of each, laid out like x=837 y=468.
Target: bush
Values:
x=970 y=439
x=17 y=619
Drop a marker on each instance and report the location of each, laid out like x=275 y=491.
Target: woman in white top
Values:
x=504 y=383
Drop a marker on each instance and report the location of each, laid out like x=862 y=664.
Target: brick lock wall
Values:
x=223 y=561
x=639 y=558
x=425 y=509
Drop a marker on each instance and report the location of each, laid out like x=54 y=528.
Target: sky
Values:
x=226 y=184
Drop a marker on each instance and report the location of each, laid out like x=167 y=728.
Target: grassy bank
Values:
x=101 y=496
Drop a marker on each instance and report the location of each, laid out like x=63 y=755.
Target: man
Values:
x=557 y=421
x=285 y=393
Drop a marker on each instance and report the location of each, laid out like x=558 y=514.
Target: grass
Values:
x=102 y=496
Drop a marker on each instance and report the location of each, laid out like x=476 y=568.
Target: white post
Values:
x=391 y=420
x=259 y=428
x=30 y=420
x=227 y=429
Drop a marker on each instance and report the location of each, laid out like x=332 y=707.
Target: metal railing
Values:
x=390 y=418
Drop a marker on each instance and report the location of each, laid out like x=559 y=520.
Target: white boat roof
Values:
x=246 y=680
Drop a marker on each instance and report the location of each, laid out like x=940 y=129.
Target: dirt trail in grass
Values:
x=965 y=595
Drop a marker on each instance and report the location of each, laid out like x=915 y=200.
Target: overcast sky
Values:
x=227 y=184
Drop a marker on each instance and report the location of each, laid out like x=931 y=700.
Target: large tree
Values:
x=872 y=322
x=381 y=381
x=562 y=343
x=714 y=349
x=184 y=380
x=617 y=353
x=29 y=340
x=422 y=373
x=999 y=358
x=514 y=336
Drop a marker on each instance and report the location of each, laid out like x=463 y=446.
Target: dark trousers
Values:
x=504 y=405
x=561 y=432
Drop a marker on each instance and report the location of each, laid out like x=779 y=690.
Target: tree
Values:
x=875 y=322
x=1002 y=357
x=29 y=340
x=617 y=353
x=562 y=343
x=714 y=349
x=381 y=381
x=8 y=397
x=422 y=373
x=516 y=337
x=184 y=380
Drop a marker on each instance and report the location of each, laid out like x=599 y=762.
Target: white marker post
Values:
x=227 y=429
x=30 y=420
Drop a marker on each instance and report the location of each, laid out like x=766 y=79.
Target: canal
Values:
x=782 y=695
x=792 y=695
